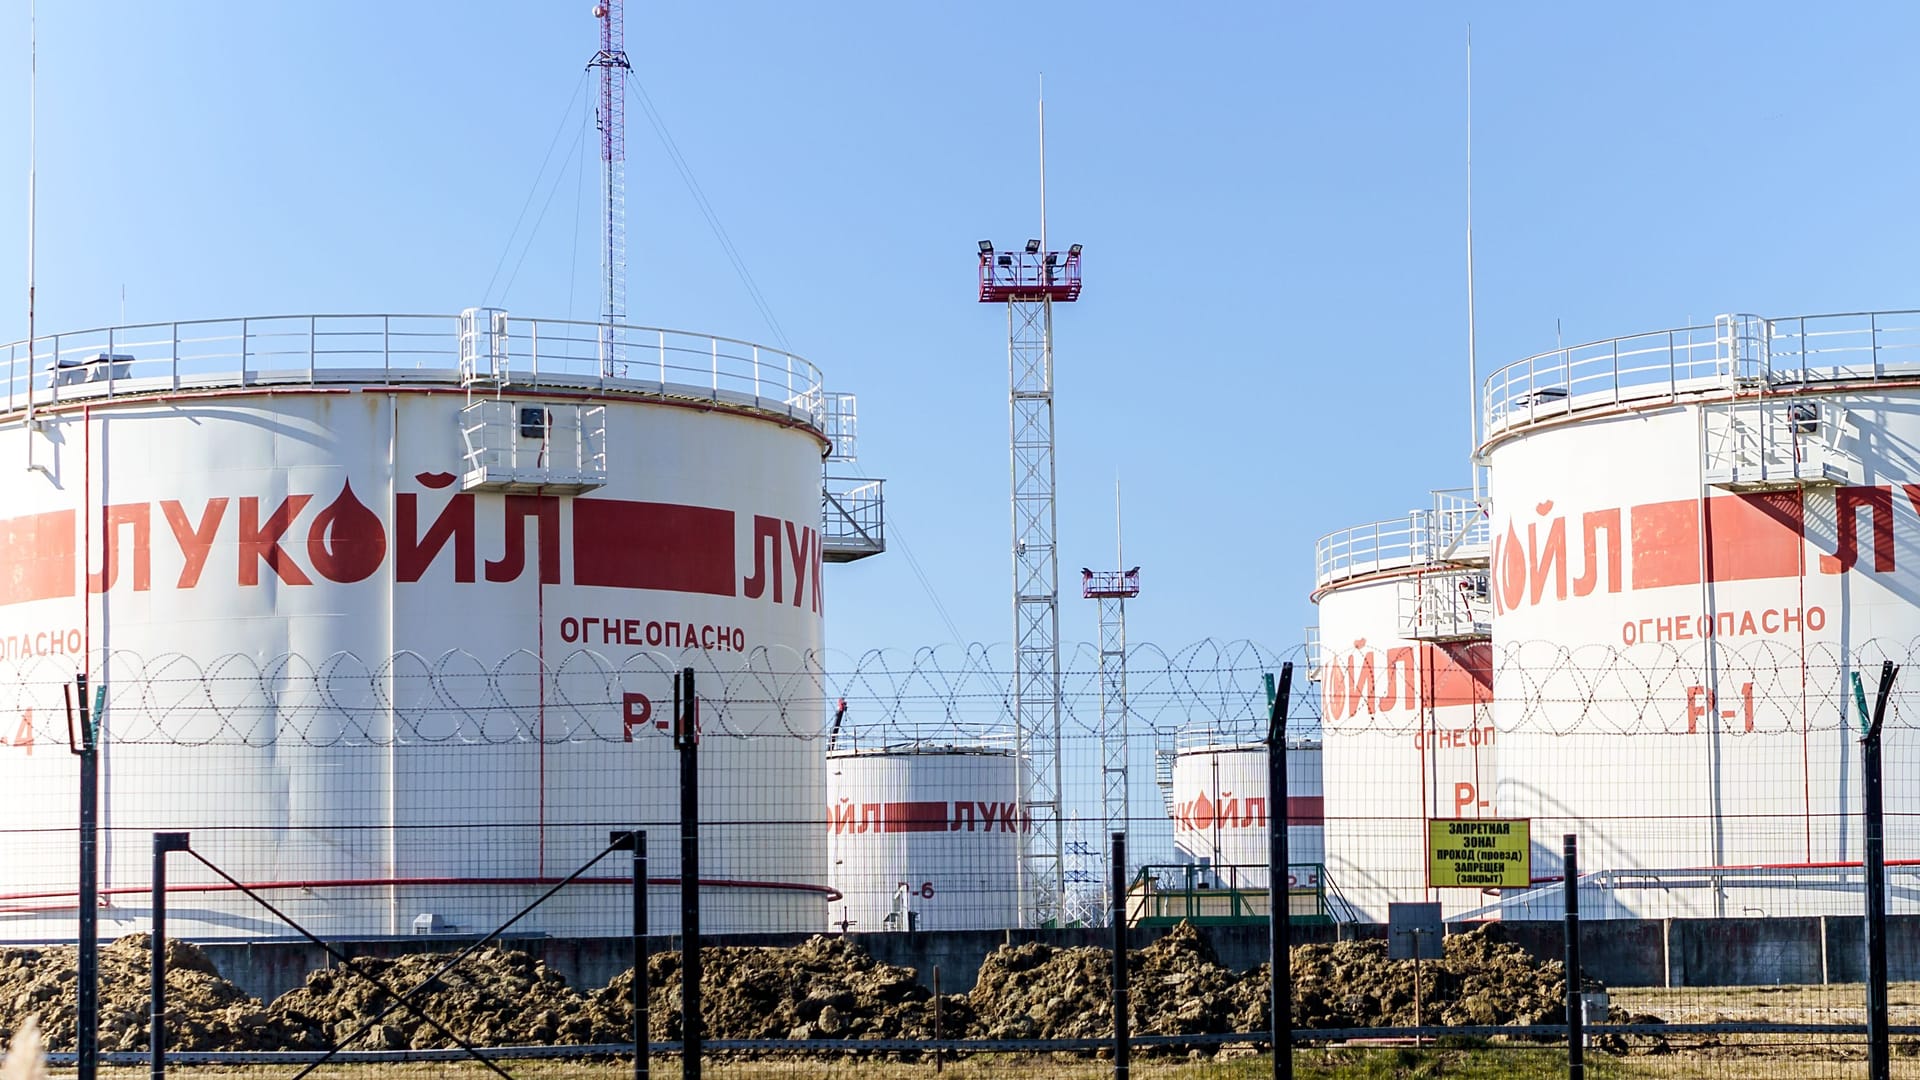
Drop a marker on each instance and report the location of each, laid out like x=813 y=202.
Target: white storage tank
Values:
x=924 y=837
x=1407 y=734
x=386 y=611
x=1700 y=536
x=1221 y=805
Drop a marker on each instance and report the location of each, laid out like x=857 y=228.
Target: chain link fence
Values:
x=423 y=866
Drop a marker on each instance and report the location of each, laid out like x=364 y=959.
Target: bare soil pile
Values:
x=823 y=988
x=1481 y=980
x=1036 y=991
x=205 y=1011
x=496 y=997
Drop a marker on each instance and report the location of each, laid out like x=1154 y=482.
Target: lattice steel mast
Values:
x=1113 y=589
x=612 y=119
x=1029 y=283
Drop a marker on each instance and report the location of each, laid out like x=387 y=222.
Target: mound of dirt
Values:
x=496 y=997
x=1177 y=984
x=205 y=1011
x=1481 y=980
x=1038 y=991
x=823 y=988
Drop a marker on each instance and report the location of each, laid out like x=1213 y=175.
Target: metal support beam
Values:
x=85 y=745
x=1576 y=1028
x=1279 y=899
x=686 y=739
x=1122 y=1049
x=636 y=842
x=163 y=844
x=1036 y=606
x=1874 y=866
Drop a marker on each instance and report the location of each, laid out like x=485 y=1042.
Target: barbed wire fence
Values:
x=1715 y=788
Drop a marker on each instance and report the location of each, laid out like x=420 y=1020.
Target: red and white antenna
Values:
x=612 y=118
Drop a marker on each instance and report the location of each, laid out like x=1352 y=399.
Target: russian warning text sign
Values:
x=1479 y=853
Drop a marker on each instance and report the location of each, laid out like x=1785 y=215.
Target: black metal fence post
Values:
x=163 y=842
x=1279 y=896
x=87 y=1021
x=1570 y=882
x=1122 y=1054
x=1874 y=868
x=636 y=842
x=686 y=739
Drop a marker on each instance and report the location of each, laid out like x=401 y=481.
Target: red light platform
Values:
x=1019 y=275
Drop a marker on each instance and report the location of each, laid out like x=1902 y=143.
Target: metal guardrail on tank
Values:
x=854 y=517
x=906 y=735
x=1249 y=734
x=150 y=358
x=1737 y=350
x=1455 y=529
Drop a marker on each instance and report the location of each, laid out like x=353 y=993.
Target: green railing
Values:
x=1165 y=894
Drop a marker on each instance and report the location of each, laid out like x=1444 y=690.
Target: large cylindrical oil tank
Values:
x=924 y=837
x=388 y=619
x=1701 y=536
x=1221 y=803
x=1407 y=735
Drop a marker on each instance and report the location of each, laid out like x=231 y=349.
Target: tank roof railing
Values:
x=280 y=350
x=1735 y=352
x=1454 y=529
x=924 y=736
x=1248 y=734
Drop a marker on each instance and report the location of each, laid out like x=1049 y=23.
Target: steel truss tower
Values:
x=612 y=119
x=1113 y=589
x=1029 y=282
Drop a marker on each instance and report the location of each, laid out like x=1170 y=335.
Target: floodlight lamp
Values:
x=1033 y=247
x=1073 y=252
x=1052 y=257
x=986 y=247
x=1006 y=260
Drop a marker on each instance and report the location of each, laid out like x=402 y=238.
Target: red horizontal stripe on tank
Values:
x=1306 y=810
x=624 y=544
x=36 y=557
x=1747 y=536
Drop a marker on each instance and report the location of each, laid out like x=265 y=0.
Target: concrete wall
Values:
x=1618 y=952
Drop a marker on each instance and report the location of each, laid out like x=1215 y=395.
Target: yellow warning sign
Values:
x=1479 y=853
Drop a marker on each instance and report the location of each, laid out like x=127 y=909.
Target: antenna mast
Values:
x=1473 y=363
x=612 y=118
x=33 y=173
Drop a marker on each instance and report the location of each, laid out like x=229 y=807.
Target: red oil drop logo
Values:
x=1202 y=813
x=346 y=542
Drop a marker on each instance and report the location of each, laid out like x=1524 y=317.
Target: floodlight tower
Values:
x=612 y=119
x=1029 y=282
x=1113 y=588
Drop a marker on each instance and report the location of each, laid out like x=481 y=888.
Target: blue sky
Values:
x=1272 y=341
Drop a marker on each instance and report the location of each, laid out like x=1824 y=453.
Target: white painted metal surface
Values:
x=1713 y=727
x=1406 y=736
x=926 y=837
x=325 y=660
x=1222 y=806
